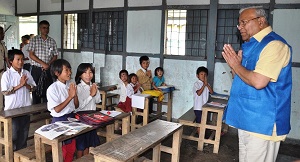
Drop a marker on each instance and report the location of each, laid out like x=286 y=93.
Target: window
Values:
x=85 y=38
x=176 y=27
x=70 y=31
x=186 y=32
x=227 y=31
x=76 y=31
x=109 y=29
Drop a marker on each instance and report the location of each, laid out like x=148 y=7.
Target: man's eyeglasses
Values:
x=244 y=22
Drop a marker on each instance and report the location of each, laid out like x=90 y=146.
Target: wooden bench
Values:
x=188 y=119
x=133 y=144
x=215 y=125
x=85 y=158
x=28 y=154
x=144 y=113
x=105 y=96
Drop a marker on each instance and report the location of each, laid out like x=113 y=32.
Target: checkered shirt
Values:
x=43 y=49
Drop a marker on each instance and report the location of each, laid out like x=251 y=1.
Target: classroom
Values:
x=177 y=35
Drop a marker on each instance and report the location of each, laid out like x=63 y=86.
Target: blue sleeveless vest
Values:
x=255 y=110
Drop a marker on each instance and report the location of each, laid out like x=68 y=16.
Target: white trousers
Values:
x=254 y=149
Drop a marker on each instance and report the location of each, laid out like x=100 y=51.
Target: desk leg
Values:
x=169 y=113
x=8 y=144
x=110 y=132
x=39 y=149
x=177 y=137
x=156 y=153
x=104 y=101
x=133 y=119
x=202 y=129
x=125 y=125
x=57 y=151
x=146 y=112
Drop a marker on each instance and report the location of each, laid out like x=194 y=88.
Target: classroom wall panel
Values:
x=143 y=31
x=72 y=5
x=108 y=3
x=138 y=3
x=99 y=62
x=188 y=2
x=286 y=1
x=55 y=27
x=183 y=77
x=26 y=6
x=288 y=28
x=222 y=78
x=7 y=7
x=50 y=5
x=113 y=64
x=242 y=1
x=295 y=113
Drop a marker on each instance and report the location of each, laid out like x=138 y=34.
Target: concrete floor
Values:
x=228 y=152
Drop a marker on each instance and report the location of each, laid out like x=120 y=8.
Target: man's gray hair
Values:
x=260 y=12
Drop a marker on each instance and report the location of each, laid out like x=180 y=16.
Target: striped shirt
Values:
x=43 y=49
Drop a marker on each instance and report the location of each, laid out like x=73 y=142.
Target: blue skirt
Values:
x=86 y=140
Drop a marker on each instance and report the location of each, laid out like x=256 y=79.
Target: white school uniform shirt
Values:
x=26 y=53
x=122 y=91
x=57 y=93
x=21 y=97
x=130 y=90
x=199 y=101
x=86 y=102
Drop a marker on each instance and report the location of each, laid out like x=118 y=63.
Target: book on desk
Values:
x=58 y=128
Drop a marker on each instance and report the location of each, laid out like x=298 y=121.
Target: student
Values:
x=25 y=42
x=123 y=75
x=201 y=92
x=88 y=95
x=16 y=84
x=62 y=100
x=144 y=74
x=159 y=79
x=133 y=87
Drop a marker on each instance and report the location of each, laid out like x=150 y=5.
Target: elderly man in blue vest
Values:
x=260 y=98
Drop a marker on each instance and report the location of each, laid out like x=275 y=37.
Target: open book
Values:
x=217 y=104
x=220 y=96
x=58 y=128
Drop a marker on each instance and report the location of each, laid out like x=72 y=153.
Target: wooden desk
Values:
x=216 y=125
x=56 y=143
x=135 y=143
x=103 y=92
x=169 y=105
x=144 y=113
x=6 y=124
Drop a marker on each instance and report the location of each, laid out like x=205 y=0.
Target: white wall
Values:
x=50 y=5
x=289 y=29
x=242 y=1
x=7 y=7
x=143 y=31
x=108 y=3
x=28 y=6
x=188 y=2
x=71 y=5
x=138 y=3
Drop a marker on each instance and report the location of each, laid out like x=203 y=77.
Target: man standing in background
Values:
x=42 y=51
